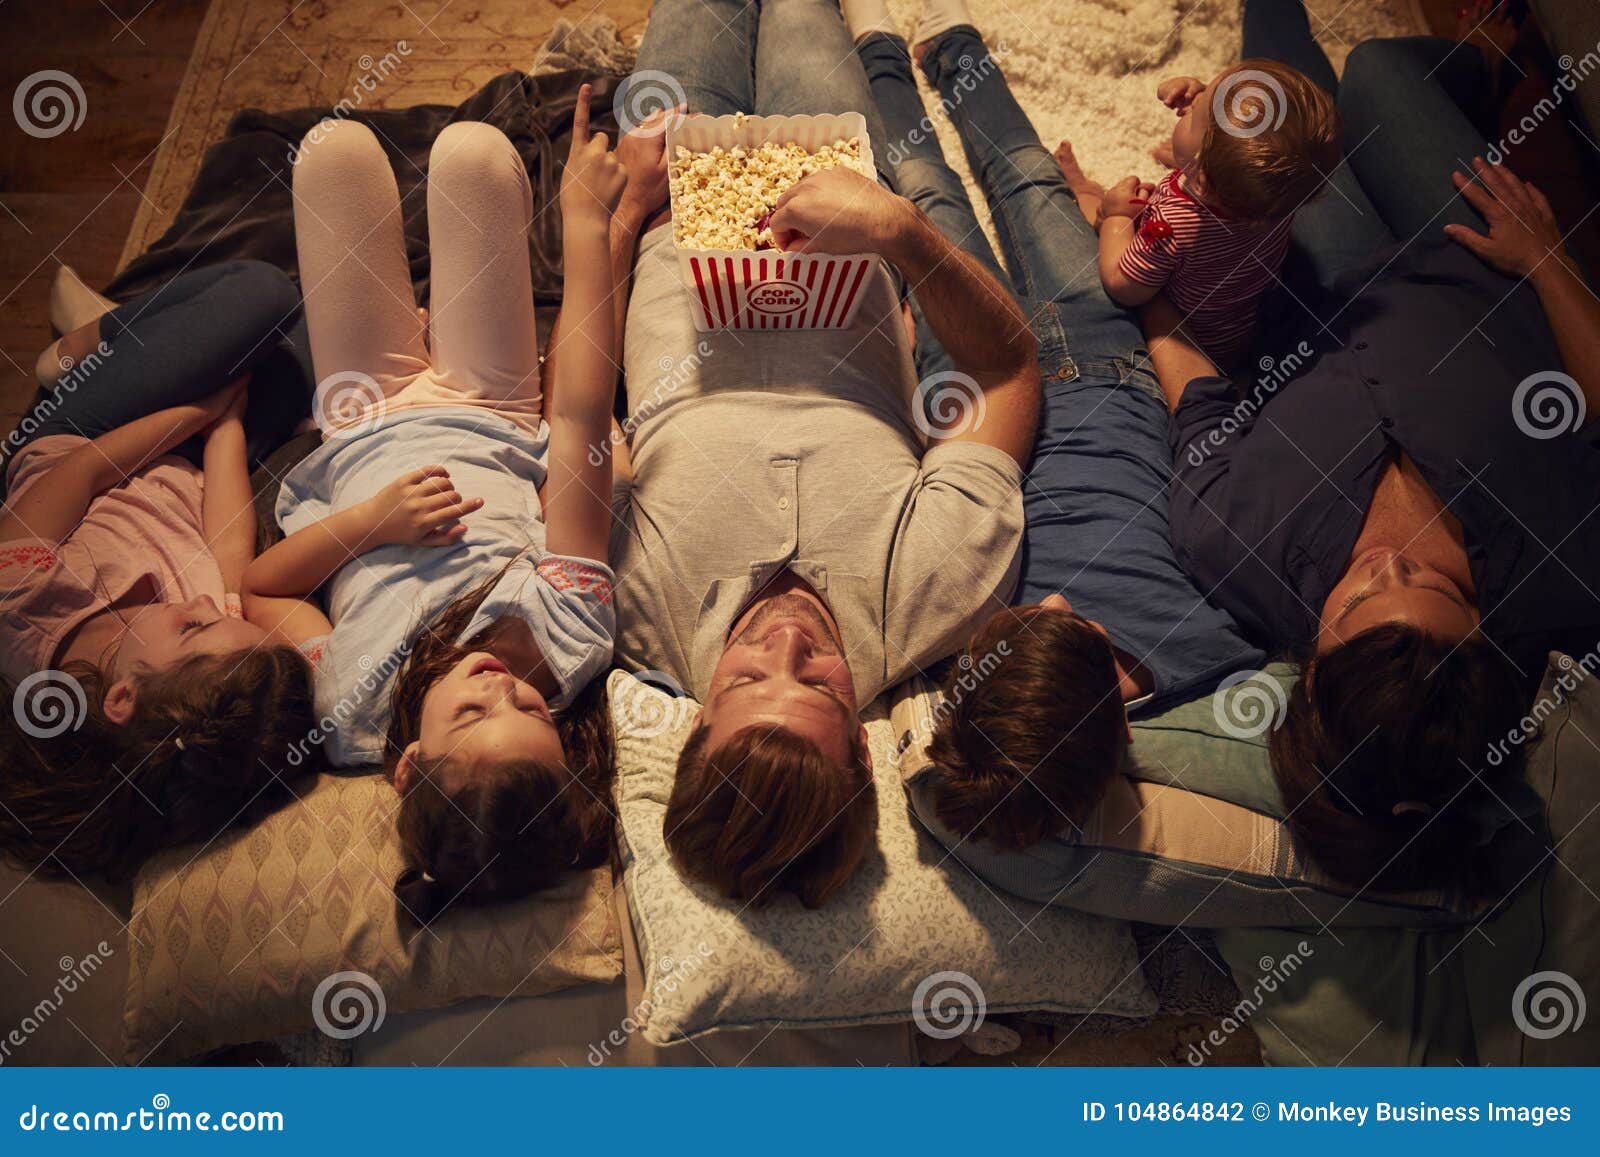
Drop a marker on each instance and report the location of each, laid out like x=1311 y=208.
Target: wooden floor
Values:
x=71 y=198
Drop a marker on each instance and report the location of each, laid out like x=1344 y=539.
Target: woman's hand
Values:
x=1179 y=92
x=1127 y=198
x=1522 y=227
x=642 y=153
x=593 y=181
x=420 y=508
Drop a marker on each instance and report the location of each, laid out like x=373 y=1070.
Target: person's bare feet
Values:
x=72 y=303
x=1077 y=180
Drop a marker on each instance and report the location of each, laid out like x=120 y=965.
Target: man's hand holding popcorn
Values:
x=840 y=211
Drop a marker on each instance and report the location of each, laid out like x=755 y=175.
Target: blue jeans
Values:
x=185 y=340
x=1095 y=498
x=1405 y=133
x=767 y=57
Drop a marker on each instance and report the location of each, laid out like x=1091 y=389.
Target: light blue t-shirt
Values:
x=380 y=600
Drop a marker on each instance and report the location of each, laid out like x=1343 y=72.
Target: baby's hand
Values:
x=1127 y=198
x=1178 y=92
x=420 y=508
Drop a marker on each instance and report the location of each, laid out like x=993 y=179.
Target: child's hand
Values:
x=420 y=508
x=232 y=398
x=594 y=179
x=1127 y=198
x=1179 y=92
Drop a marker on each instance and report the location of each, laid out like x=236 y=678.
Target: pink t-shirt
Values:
x=1213 y=268
x=146 y=530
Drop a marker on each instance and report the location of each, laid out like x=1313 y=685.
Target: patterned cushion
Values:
x=912 y=935
x=230 y=942
x=1191 y=834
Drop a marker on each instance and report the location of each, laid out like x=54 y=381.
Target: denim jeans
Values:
x=185 y=340
x=1095 y=497
x=767 y=57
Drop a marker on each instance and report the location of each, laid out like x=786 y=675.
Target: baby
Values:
x=1248 y=150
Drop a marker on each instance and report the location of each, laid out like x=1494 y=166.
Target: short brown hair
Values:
x=1027 y=748
x=1290 y=146
x=767 y=812
x=1383 y=757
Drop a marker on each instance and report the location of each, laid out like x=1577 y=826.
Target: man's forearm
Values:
x=975 y=319
x=1574 y=317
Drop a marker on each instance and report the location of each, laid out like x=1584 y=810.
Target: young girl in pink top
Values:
x=143 y=711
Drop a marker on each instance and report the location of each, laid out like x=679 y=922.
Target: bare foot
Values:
x=1164 y=155
x=1077 y=180
x=72 y=303
x=1488 y=25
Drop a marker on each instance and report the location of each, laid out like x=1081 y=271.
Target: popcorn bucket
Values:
x=753 y=289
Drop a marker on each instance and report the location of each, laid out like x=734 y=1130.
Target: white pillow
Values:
x=912 y=932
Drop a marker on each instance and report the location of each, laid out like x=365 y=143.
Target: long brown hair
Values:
x=208 y=746
x=1033 y=729
x=1382 y=757
x=518 y=833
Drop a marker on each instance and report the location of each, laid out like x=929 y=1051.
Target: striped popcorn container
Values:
x=752 y=289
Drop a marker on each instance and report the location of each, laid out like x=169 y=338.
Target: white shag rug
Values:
x=1087 y=70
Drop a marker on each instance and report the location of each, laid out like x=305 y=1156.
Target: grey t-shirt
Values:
x=755 y=451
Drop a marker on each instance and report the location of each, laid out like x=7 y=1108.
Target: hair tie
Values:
x=1410 y=807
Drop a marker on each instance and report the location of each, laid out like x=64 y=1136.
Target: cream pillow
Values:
x=912 y=936
x=290 y=925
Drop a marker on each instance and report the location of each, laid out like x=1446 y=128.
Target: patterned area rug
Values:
x=279 y=54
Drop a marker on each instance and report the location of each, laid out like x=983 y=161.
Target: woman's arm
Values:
x=577 y=493
x=52 y=507
x=228 y=513
x=1524 y=241
x=1176 y=356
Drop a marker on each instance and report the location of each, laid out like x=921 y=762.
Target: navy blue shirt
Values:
x=1095 y=500
x=1423 y=355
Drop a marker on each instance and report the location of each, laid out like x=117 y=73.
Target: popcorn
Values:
x=721 y=198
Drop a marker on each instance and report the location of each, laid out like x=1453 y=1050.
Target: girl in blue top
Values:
x=468 y=603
